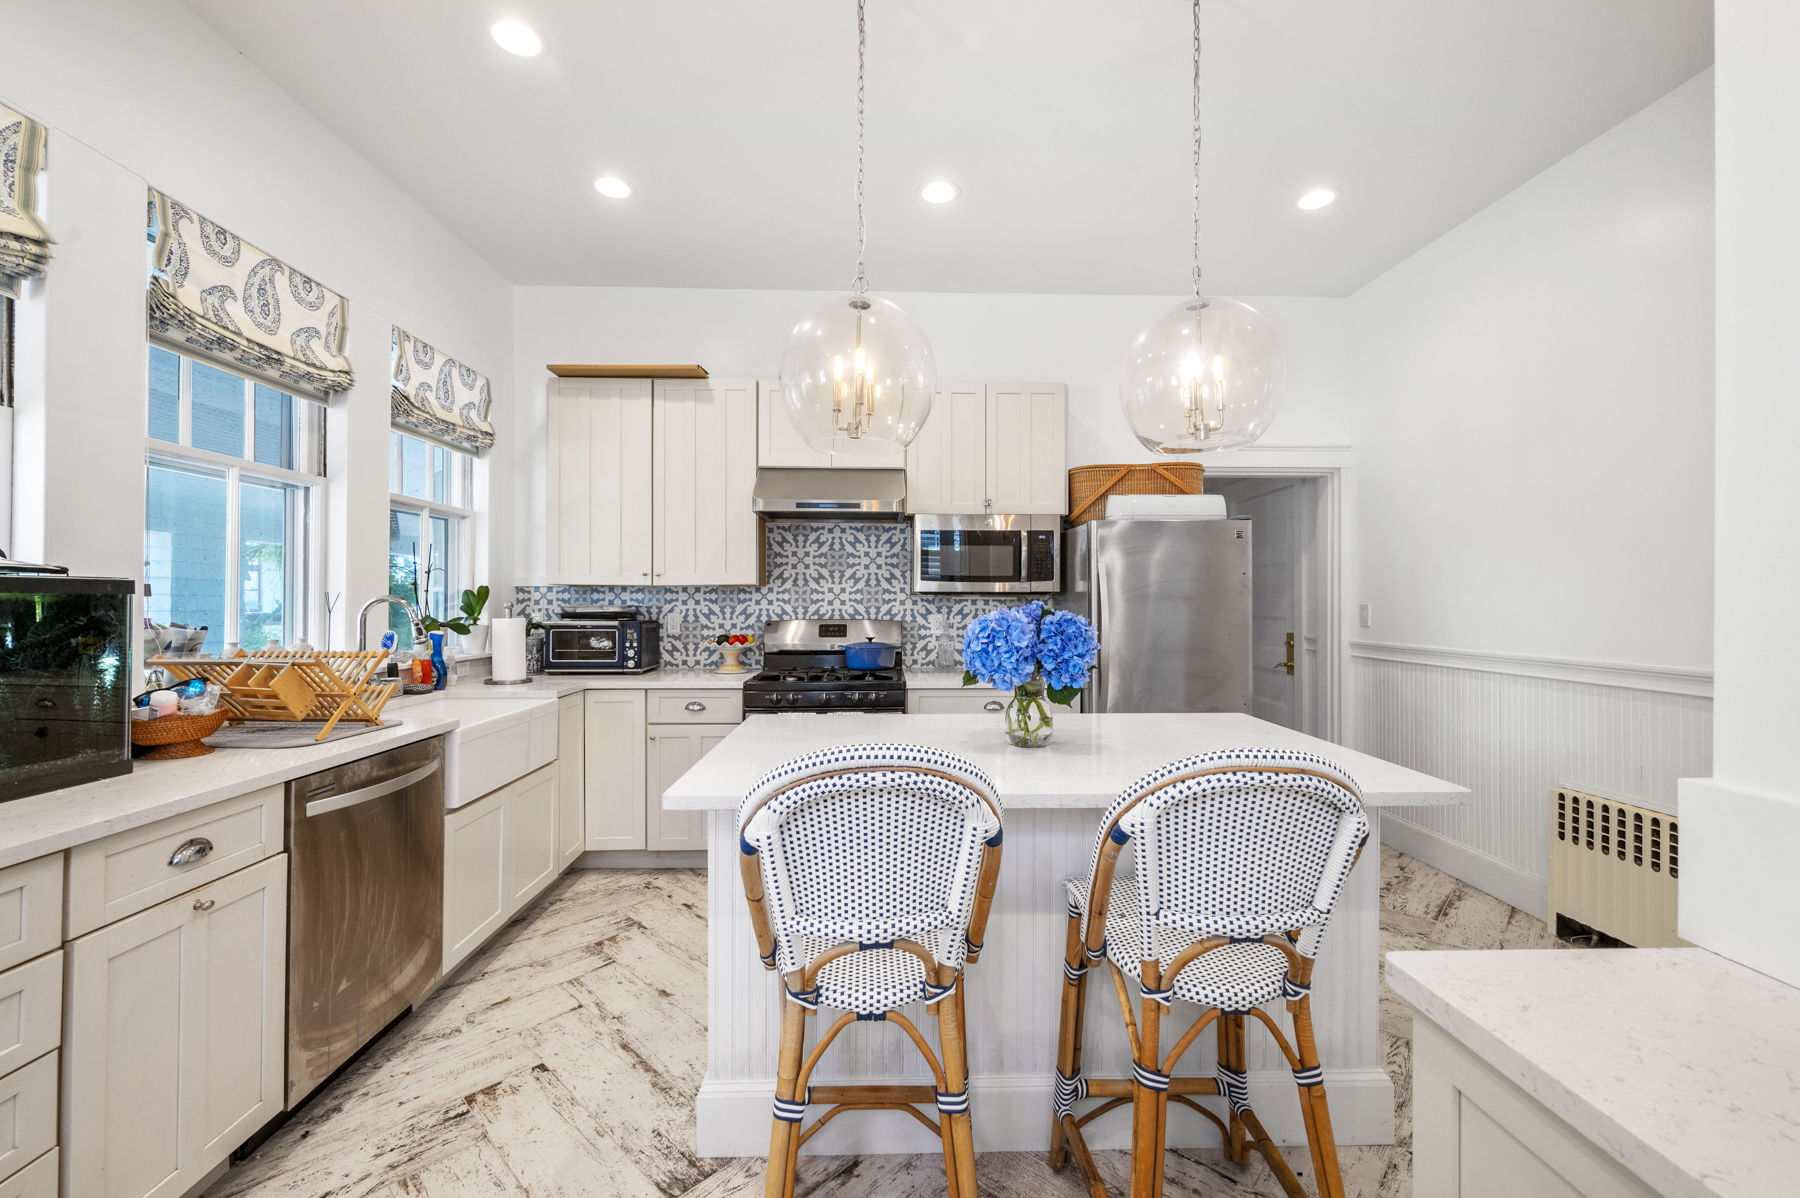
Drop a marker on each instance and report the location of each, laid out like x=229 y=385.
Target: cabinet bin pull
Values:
x=190 y=851
x=992 y=705
x=203 y=904
x=696 y=705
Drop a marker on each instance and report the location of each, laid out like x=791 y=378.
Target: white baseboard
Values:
x=1012 y=1114
x=1527 y=891
x=639 y=859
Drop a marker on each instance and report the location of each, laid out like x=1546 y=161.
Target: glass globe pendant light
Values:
x=1207 y=373
x=858 y=375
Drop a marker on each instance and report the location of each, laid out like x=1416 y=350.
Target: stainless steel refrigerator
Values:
x=1170 y=600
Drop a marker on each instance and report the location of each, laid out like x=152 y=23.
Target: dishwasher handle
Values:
x=369 y=793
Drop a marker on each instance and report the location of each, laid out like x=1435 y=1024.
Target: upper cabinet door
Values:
x=778 y=442
x=1027 y=451
x=703 y=446
x=946 y=465
x=599 y=520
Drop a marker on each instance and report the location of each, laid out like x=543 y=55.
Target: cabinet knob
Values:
x=190 y=851
x=992 y=705
x=645 y=574
x=696 y=705
x=203 y=904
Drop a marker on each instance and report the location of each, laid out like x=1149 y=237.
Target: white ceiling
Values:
x=1065 y=122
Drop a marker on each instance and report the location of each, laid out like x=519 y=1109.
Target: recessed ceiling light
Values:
x=1319 y=197
x=939 y=191
x=612 y=187
x=516 y=37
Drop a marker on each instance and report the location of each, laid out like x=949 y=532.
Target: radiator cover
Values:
x=1615 y=868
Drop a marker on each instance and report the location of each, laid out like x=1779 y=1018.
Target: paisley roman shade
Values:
x=24 y=239
x=212 y=291
x=438 y=397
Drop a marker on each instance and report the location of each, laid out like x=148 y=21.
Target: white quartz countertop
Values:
x=1087 y=762
x=1680 y=1064
x=60 y=819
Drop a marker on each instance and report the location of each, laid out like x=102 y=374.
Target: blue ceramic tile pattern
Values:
x=842 y=569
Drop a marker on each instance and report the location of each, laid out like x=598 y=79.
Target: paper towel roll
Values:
x=508 y=648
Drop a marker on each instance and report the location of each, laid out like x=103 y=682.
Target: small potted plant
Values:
x=467 y=623
x=1042 y=656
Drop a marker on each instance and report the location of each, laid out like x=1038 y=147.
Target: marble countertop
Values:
x=59 y=819
x=1088 y=761
x=1680 y=1064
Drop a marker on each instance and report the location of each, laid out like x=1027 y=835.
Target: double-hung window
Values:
x=429 y=515
x=234 y=469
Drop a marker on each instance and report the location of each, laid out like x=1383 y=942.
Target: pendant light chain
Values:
x=861 y=285
x=1196 y=148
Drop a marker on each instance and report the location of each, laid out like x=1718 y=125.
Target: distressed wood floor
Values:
x=564 y=1058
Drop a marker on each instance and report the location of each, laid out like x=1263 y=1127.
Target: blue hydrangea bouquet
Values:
x=1041 y=656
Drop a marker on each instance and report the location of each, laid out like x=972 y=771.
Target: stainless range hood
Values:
x=817 y=494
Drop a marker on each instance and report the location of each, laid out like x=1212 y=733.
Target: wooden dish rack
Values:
x=274 y=684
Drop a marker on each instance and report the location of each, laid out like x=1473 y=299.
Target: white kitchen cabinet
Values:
x=571 y=784
x=703 y=471
x=671 y=750
x=28 y=1114
x=174 y=1049
x=474 y=886
x=36 y=1180
x=598 y=519
x=946 y=465
x=530 y=838
x=778 y=442
x=31 y=908
x=500 y=852
x=614 y=770
x=991 y=447
x=1027 y=448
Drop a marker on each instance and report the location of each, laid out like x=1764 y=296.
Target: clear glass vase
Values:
x=1028 y=719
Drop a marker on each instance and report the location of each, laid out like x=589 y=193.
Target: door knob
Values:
x=1287 y=665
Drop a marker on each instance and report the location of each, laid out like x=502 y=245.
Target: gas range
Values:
x=804 y=670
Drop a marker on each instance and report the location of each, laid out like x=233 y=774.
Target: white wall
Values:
x=140 y=92
x=1740 y=827
x=1533 y=398
x=1075 y=339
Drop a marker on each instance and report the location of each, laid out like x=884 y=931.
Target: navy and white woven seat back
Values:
x=1241 y=843
x=867 y=844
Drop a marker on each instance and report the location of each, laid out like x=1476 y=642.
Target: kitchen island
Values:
x=1053 y=797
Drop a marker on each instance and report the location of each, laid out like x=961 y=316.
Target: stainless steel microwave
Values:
x=987 y=555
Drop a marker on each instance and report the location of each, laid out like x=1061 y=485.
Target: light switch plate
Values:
x=1363 y=618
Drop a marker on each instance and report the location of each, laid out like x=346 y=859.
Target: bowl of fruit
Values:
x=732 y=646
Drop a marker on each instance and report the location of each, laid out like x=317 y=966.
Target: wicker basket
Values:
x=177 y=736
x=1090 y=485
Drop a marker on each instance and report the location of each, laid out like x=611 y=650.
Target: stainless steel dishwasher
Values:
x=365 y=903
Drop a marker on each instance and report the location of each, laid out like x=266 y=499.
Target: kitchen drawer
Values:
x=36 y=1180
x=28 y=1113
x=695 y=707
x=30 y=1010
x=976 y=700
x=31 y=899
x=131 y=871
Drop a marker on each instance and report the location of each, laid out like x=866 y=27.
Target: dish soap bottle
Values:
x=440 y=674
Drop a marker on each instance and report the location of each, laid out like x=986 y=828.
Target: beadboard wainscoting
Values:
x=837 y=568
x=1510 y=728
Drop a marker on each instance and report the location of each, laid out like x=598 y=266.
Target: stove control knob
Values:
x=853 y=697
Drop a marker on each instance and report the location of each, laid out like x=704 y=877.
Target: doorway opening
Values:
x=1296 y=629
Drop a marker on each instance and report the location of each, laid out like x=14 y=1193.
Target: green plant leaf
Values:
x=969 y=678
x=474 y=601
x=1065 y=695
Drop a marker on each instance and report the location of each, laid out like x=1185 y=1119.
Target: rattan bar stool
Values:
x=1240 y=856
x=870 y=870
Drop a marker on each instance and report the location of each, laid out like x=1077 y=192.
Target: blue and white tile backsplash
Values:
x=844 y=569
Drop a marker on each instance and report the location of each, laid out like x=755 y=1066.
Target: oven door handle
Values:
x=370 y=793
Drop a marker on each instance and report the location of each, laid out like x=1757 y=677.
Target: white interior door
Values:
x=1276 y=558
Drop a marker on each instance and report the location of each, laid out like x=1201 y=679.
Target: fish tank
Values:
x=65 y=681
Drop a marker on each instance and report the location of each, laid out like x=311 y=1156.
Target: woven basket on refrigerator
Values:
x=1090 y=485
